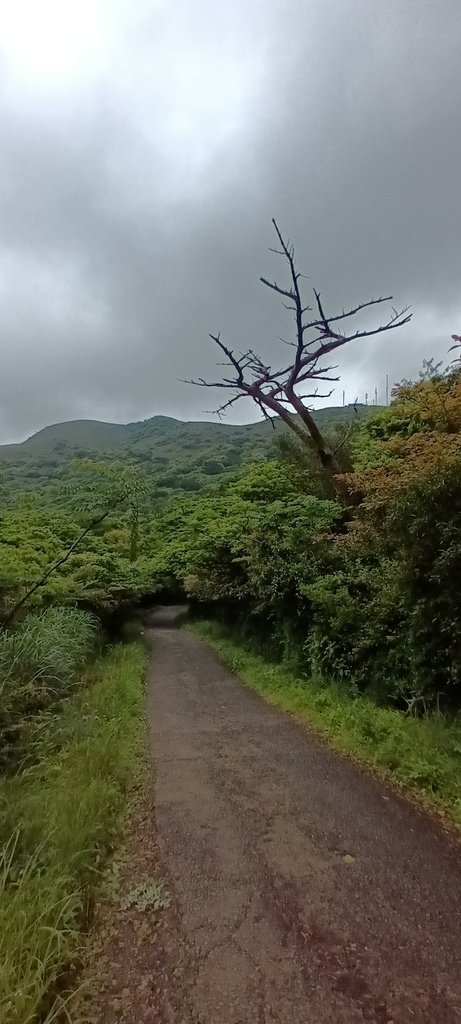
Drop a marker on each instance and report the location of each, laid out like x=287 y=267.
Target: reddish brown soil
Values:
x=303 y=890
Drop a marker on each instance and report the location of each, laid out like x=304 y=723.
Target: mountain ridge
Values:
x=184 y=456
x=104 y=436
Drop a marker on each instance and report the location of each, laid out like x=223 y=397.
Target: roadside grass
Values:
x=420 y=754
x=58 y=822
x=41 y=664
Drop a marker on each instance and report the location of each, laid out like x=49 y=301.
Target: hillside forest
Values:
x=365 y=594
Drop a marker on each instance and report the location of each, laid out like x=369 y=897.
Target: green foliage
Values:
x=369 y=598
x=425 y=528
x=358 y=615
x=249 y=549
x=40 y=664
x=107 y=568
x=177 y=457
x=57 y=825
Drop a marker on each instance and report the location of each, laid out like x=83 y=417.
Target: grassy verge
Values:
x=423 y=755
x=58 y=822
x=41 y=665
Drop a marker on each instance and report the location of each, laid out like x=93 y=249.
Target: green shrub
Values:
x=425 y=525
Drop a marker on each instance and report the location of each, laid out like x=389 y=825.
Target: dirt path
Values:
x=302 y=891
x=308 y=892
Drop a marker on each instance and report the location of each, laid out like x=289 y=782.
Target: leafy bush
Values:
x=368 y=597
x=426 y=528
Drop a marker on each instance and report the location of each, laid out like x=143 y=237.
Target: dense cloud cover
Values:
x=145 y=146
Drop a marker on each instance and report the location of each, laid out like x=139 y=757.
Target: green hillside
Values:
x=180 y=455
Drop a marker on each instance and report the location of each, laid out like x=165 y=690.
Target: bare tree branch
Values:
x=276 y=392
x=276 y=288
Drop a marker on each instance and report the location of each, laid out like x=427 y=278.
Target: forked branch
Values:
x=276 y=391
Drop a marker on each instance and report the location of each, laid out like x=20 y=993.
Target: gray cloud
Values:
x=140 y=167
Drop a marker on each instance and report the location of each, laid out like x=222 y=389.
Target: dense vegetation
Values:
x=364 y=593
x=368 y=594
x=355 y=604
x=176 y=456
x=58 y=821
x=52 y=488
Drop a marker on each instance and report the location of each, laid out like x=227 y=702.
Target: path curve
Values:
x=308 y=891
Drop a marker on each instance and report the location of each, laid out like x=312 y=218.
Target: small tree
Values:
x=103 y=488
x=286 y=390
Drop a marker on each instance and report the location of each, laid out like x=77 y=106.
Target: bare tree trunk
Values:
x=324 y=451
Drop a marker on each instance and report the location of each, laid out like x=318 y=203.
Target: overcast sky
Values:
x=145 y=146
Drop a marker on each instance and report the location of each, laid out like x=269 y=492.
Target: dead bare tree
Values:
x=281 y=392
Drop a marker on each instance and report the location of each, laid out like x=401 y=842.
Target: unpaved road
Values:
x=307 y=891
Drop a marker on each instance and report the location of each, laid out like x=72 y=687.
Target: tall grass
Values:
x=57 y=824
x=40 y=664
x=423 y=754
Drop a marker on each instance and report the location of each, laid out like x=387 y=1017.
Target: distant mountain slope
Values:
x=177 y=456
x=161 y=431
x=88 y=434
